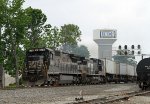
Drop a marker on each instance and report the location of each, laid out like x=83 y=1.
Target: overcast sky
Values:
x=131 y=19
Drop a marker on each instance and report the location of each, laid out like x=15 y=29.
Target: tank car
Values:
x=143 y=73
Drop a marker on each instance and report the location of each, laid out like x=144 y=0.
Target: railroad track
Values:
x=63 y=85
x=110 y=99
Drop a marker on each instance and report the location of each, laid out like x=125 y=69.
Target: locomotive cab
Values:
x=37 y=63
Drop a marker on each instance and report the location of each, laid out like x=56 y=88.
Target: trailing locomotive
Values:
x=143 y=73
x=44 y=66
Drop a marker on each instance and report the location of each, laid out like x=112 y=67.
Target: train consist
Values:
x=143 y=73
x=48 y=67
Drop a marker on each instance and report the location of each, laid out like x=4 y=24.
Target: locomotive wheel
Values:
x=140 y=85
x=143 y=86
x=33 y=78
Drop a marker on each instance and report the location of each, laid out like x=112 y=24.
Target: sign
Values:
x=108 y=34
x=35 y=50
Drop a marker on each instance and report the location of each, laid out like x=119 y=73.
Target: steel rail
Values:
x=110 y=99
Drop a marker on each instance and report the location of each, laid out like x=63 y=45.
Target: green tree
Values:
x=3 y=8
x=13 y=32
x=70 y=34
x=52 y=37
x=124 y=56
x=83 y=51
x=34 y=28
x=66 y=35
x=78 y=50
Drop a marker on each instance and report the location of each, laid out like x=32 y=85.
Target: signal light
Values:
x=119 y=46
x=132 y=52
x=139 y=47
x=139 y=52
x=125 y=47
x=132 y=46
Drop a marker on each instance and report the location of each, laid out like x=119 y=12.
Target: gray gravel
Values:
x=62 y=95
x=135 y=100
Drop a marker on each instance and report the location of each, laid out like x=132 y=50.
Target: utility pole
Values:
x=2 y=79
x=142 y=56
x=16 y=66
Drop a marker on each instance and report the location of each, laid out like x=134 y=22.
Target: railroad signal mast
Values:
x=133 y=51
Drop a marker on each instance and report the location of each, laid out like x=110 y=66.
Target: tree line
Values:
x=22 y=29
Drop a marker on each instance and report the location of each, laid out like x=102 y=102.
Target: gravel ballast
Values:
x=62 y=95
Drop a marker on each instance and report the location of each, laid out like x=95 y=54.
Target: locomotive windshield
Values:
x=33 y=58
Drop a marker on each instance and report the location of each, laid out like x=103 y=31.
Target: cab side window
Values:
x=51 y=56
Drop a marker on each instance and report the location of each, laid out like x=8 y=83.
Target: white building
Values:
x=105 y=39
x=8 y=80
x=5 y=79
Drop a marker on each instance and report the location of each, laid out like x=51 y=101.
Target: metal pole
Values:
x=2 y=75
x=16 y=66
x=142 y=56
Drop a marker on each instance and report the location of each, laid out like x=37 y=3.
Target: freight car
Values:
x=48 y=67
x=143 y=73
x=119 y=72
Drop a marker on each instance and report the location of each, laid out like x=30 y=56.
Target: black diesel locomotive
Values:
x=44 y=66
x=143 y=73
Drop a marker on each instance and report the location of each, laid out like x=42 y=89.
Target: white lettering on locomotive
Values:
x=148 y=67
